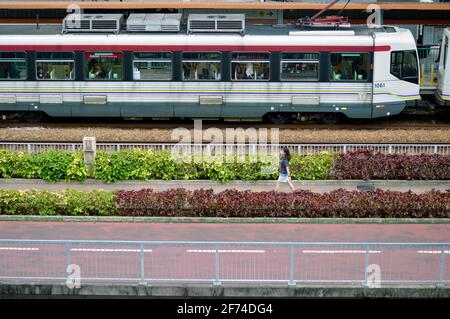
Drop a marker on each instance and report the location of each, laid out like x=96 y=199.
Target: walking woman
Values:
x=285 y=174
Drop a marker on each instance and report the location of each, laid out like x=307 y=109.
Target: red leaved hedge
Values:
x=233 y=203
x=367 y=165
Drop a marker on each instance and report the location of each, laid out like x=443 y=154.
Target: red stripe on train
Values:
x=381 y=48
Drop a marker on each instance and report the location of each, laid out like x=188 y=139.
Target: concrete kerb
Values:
x=219 y=220
x=39 y=290
x=315 y=186
x=337 y=183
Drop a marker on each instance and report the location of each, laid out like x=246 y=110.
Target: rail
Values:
x=218 y=263
x=240 y=149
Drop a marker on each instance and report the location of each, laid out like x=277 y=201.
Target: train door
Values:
x=444 y=70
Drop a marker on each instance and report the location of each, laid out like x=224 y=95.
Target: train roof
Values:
x=48 y=37
x=264 y=30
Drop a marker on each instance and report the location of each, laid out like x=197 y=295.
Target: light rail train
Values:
x=275 y=73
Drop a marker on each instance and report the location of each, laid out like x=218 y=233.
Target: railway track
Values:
x=397 y=122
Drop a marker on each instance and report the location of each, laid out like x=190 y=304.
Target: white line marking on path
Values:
x=19 y=248
x=111 y=250
x=340 y=251
x=433 y=251
x=233 y=251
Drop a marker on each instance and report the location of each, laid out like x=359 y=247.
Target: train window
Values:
x=250 y=66
x=103 y=65
x=201 y=66
x=349 y=66
x=152 y=66
x=396 y=64
x=300 y=67
x=404 y=66
x=55 y=66
x=13 y=66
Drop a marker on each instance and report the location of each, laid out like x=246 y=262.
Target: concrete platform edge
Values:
x=210 y=183
x=220 y=220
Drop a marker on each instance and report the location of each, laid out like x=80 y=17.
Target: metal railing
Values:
x=225 y=262
x=241 y=149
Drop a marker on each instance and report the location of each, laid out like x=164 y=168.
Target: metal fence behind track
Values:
x=241 y=149
x=225 y=262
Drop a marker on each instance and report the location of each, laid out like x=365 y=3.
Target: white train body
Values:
x=443 y=91
x=380 y=90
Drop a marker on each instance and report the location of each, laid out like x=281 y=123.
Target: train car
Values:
x=442 y=95
x=276 y=73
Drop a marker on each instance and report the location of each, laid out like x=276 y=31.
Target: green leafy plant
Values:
x=77 y=171
x=312 y=167
x=69 y=202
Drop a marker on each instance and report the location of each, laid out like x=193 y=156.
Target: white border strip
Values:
x=96 y=250
x=221 y=251
x=340 y=251
x=20 y=248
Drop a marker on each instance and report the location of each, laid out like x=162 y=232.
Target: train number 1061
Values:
x=379 y=85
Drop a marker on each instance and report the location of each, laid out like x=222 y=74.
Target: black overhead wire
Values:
x=343 y=8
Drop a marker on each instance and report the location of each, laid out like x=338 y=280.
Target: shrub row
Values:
x=51 y=165
x=145 y=165
x=233 y=203
x=367 y=165
x=69 y=202
x=229 y=203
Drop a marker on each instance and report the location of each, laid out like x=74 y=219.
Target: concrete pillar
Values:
x=89 y=150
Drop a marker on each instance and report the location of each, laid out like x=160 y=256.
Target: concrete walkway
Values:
x=159 y=185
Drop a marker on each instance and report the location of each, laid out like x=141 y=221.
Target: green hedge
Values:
x=145 y=165
x=50 y=166
x=69 y=202
x=228 y=203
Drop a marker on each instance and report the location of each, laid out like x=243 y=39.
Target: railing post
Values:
x=89 y=152
x=68 y=255
x=435 y=149
x=390 y=149
x=366 y=277
x=142 y=281
x=441 y=268
x=345 y=148
x=292 y=273
x=217 y=277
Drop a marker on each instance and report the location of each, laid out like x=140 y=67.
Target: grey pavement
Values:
x=159 y=185
x=37 y=290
